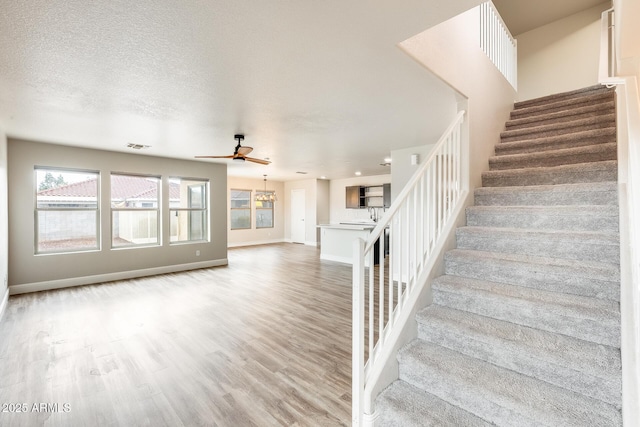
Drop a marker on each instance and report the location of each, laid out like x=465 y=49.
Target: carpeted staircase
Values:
x=524 y=329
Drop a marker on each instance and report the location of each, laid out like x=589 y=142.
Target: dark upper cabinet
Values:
x=355 y=197
x=374 y=196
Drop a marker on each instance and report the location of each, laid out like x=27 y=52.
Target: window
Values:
x=134 y=210
x=264 y=209
x=240 y=209
x=67 y=213
x=188 y=209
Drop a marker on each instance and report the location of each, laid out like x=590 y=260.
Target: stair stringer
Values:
x=406 y=327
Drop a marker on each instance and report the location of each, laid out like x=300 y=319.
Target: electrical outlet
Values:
x=197 y=253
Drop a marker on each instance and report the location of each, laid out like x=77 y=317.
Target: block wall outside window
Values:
x=67 y=210
x=188 y=209
x=240 y=209
x=135 y=210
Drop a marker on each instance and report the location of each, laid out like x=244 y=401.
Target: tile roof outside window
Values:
x=127 y=187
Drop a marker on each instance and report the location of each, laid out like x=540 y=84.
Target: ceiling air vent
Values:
x=302 y=173
x=137 y=146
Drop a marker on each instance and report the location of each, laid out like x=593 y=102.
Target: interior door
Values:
x=298 y=209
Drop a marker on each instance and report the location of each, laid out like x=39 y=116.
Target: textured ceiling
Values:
x=316 y=86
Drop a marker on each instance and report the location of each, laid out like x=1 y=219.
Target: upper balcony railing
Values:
x=498 y=43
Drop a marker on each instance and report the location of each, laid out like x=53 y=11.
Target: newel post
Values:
x=358 y=333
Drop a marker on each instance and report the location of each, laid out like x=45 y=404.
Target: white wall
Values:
x=401 y=168
x=560 y=56
x=628 y=38
x=451 y=51
x=323 y=209
x=629 y=199
x=257 y=236
x=29 y=272
x=337 y=201
x=4 y=224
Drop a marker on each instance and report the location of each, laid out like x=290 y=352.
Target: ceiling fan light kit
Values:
x=239 y=154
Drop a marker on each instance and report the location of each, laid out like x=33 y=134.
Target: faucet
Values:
x=373 y=214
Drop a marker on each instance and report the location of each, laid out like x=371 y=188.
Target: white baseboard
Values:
x=315 y=244
x=255 y=243
x=109 y=277
x=4 y=302
x=342 y=259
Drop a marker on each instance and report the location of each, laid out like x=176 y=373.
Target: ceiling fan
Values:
x=239 y=154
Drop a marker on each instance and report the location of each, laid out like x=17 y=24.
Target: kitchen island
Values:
x=336 y=240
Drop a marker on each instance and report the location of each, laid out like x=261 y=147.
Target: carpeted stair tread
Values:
x=590 y=110
x=544 y=130
x=563 y=174
x=524 y=328
x=590 y=319
x=569 y=217
x=558 y=104
x=575 y=245
x=594 y=193
x=586 y=278
x=403 y=405
x=575 y=139
x=577 y=365
x=570 y=94
x=564 y=156
x=498 y=395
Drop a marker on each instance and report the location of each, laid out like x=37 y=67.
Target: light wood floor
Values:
x=265 y=341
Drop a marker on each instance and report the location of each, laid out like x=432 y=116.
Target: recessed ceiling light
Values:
x=387 y=159
x=323 y=177
x=358 y=173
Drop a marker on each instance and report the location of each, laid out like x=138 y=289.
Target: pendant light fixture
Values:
x=266 y=196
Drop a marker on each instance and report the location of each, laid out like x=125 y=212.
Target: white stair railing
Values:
x=607 y=64
x=388 y=267
x=498 y=43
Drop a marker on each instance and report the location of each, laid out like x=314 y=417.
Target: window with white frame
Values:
x=135 y=210
x=188 y=209
x=264 y=209
x=240 y=209
x=67 y=214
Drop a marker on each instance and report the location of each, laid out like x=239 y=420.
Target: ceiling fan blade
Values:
x=244 y=150
x=254 y=160
x=214 y=157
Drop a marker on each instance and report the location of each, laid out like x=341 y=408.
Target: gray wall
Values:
x=4 y=230
x=29 y=272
